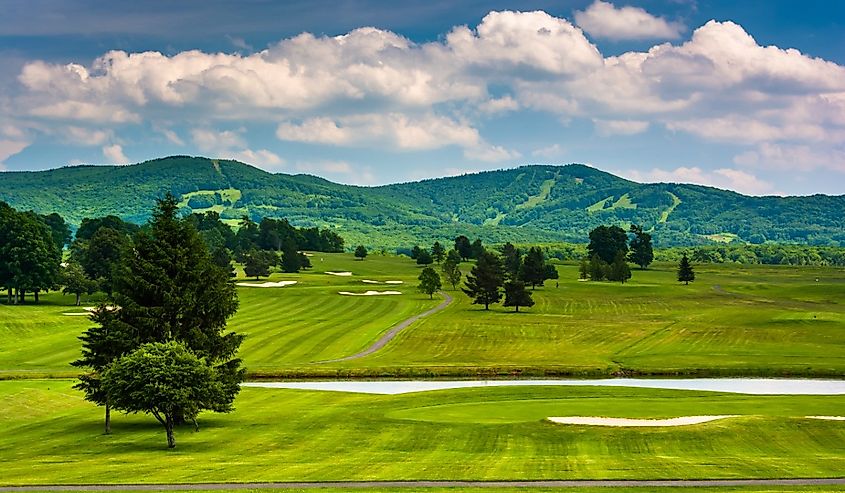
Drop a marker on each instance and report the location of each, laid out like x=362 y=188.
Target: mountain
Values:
x=537 y=203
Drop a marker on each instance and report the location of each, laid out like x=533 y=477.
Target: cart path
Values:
x=717 y=483
x=447 y=300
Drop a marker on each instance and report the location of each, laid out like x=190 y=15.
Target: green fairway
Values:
x=52 y=436
x=734 y=320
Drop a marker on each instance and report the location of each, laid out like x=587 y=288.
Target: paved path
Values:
x=717 y=483
x=447 y=299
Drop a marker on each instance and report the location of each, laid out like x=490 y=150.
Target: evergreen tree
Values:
x=463 y=247
x=256 y=264
x=360 y=252
x=291 y=261
x=516 y=295
x=533 y=270
x=424 y=258
x=101 y=345
x=415 y=252
x=170 y=290
x=642 y=252
x=685 y=272
x=429 y=282
x=222 y=258
x=246 y=239
x=438 y=253
x=451 y=268
x=619 y=270
x=605 y=241
x=485 y=280
x=512 y=259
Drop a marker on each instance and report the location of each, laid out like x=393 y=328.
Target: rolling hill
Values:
x=525 y=204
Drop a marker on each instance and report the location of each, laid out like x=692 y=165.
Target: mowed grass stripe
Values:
x=473 y=434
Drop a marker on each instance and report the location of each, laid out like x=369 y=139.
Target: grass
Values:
x=734 y=320
x=741 y=489
x=52 y=436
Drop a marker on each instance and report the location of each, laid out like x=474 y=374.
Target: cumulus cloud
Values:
x=605 y=20
x=114 y=154
x=230 y=144
x=792 y=157
x=620 y=127
x=86 y=136
x=549 y=152
x=731 y=179
x=375 y=88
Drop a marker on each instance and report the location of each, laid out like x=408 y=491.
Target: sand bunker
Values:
x=268 y=284
x=370 y=281
x=393 y=282
x=344 y=274
x=368 y=293
x=828 y=418
x=597 y=421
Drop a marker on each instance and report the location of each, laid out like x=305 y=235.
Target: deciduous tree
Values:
x=429 y=282
x=452 y=269
x=642 y=252
x=605 y=241
x=360 y=252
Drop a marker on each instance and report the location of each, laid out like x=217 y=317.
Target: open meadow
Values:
x=733 y=320
x=52 y=436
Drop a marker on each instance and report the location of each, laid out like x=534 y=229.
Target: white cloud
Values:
x=549 y=152
x=170 y=135
x=230 y=144
x=499 y=105
x=490 y=153
x=397 y=130
x=725 y=178
x=620 y=127
x=86 y=136
x=9 y=148
x=792 y=157
x=605 y=20
x=114 y=153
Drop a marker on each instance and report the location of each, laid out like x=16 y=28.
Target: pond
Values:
x=756 y=386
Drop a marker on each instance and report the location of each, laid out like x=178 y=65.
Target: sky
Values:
x=748 y=96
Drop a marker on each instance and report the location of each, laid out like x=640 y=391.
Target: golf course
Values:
x=763 y=321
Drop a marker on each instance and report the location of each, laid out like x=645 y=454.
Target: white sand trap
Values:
x=368 y=293
x=597 y=421
x=267 y=284
x=370 y=281
x=393 y=282
x=827 y=418
x=344 y=274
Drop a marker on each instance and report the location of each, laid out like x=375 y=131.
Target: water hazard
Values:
x=754 y=386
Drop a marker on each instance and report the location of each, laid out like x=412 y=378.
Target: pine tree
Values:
x=532 y=270
x=516 y=295
x=512 y=259
x=429 y=282
x=438 y=253
x=685 y=272
x=451 y=268
x=485 y=280
x=170 y=290
x=463 y=247
x=290 y=257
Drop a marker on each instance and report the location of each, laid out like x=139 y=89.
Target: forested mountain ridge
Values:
x=537 y=203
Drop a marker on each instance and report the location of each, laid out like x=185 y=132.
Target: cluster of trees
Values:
x=263 y=245
x=508 y=274
x=161 y=347
x=30 y=252
x=770 y=254
x=609 y=252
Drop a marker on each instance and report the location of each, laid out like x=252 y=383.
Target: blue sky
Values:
x=748 y=96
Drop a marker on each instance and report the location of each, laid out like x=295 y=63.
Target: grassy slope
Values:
x=762 y=320
x=52 y=436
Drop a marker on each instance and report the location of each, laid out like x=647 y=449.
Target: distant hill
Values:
x=526 y=204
